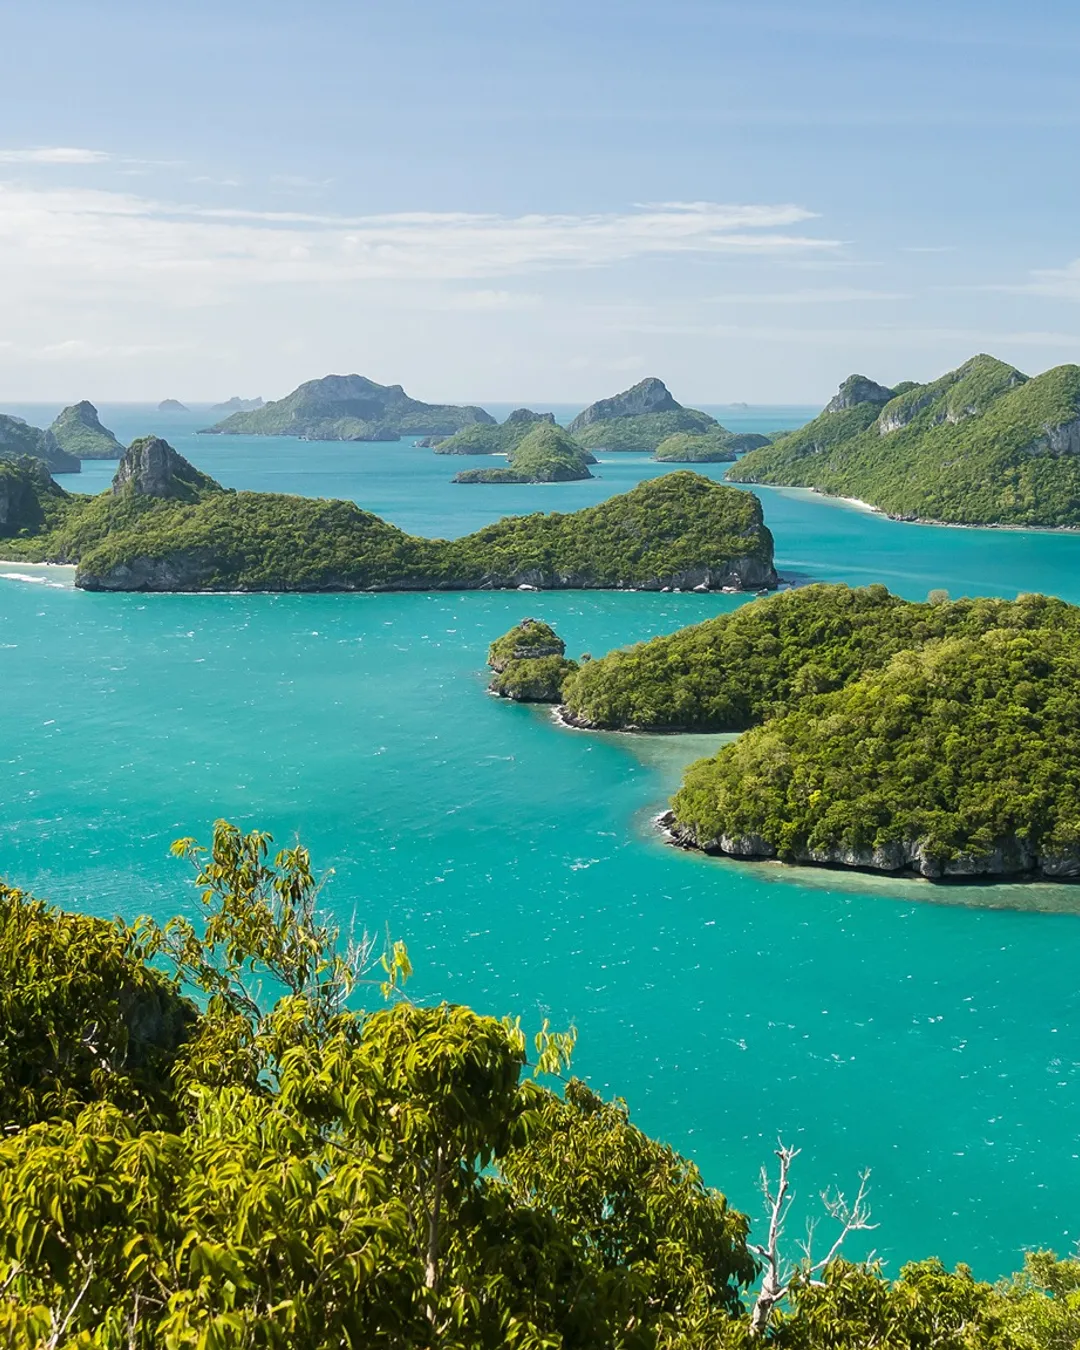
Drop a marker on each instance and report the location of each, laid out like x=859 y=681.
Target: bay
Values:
x=928 y=1033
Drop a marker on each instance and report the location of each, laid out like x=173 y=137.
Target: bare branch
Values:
x=58 y=1335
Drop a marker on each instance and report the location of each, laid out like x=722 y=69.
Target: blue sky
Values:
x=538 y=201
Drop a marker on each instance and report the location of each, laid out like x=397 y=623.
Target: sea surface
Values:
x=927 y=1032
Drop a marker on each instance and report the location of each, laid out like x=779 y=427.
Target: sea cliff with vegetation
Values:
x=546 y=454
x=349 y=408
x=982 y=445
x=639 y=418
x=941 y=737
x=165 y=526
x=19 y=439
x=529 y=663
x=78 y=430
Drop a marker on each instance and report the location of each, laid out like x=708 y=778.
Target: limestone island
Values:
x=165 y=526
x=529 y=663
x=982 y=445
x=78 y=431
x=19 y=439
x=637 y=419
x=936 y=737
x=237 y=404
x=349 y=408
x=547 y=454
x=718 y=446
x=486 y=438
x=171 y=405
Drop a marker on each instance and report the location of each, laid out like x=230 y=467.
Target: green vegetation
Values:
x=961 y=757
x=30 y=502
x=529 y=663
x=165 y=526
x=761 y=660
x=184 y=1165
x=485 y=439
x=349 y=408
x=18 y=439
x=78 y=431
x=547 y=454
x=718 y=446
x=637 y=419
x=982 y=445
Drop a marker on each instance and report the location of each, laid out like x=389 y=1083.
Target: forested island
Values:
x=165 y=526
x=486 y=438
x=982 y=445
x=637 y=419
x=941 y=737
x=78 y=430
x=183 y=1163
x=546 y=454
x=529 y=663
x=19 y=439
x=349 y=408
x=717 y=446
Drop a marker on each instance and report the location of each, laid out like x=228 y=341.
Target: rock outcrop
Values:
x=858 y=389
x=529 y=663
x=24 y=485
x=647 y=396
x=150 y=467
x=78 y=430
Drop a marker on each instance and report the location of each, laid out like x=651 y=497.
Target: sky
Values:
x=533 y=202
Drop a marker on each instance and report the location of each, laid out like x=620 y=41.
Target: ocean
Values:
x=925 y=1032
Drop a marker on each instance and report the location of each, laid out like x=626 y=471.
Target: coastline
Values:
x=59 y=575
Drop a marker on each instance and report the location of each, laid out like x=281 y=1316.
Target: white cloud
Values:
x=54 y=154
x=64 y=236
x=836 y=295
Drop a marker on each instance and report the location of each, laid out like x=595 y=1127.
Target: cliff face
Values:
x=150 y=467
x=647 y=396
x=24 y=483
x=858 y=389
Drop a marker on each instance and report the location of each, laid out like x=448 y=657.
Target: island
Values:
x=171 y=405
x=349 y=408
x=19 y=439
x=237 y=404
x=937 y=737
x=637 y=419
x=547 y=454
x=165 y=526
x=982 y=445
x=718 y=446
x=529 y=663
x=78 y=431
x=483 y=438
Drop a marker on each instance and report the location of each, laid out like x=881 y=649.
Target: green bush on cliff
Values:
x=982 y=445
x=731 y=672
x=966 y=746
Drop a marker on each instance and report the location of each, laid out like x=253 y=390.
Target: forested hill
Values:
x=164 y=526
x=982 y=445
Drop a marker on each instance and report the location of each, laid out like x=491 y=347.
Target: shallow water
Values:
x=923 y=1031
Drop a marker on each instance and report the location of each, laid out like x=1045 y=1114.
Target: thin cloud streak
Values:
x=56 y=154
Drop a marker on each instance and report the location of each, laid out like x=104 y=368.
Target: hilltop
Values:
x=637 y=419
x=78 y=431
x=349 y=408
x=487 y=439
x=164 y=526
x=547 y=454
x=982 y=445
x=237 y=404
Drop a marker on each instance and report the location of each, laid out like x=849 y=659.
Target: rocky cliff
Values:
x=18 y=438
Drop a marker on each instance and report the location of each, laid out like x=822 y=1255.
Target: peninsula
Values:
x=349 y=408
x=79 y=431
x=637 y=419
x=982 y=445
x=547 y=454
x=164 y=526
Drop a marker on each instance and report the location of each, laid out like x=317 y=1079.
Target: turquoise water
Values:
x=927 y=1033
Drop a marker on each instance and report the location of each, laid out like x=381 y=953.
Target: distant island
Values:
x=236 y=404
x=982 y=445
x=171 y=405
x=485 y=438
x=718 y=446
x=19 y=439
x=349 y=408
x=547 y=454
x=637 y=419
x=78 y=431
x=165 y=526
x=936 y=737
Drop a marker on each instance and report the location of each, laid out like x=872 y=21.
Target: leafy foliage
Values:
x=30 y=501
x=529 y=663
x=968 y=749
x=734 y=671
x=981 y=445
